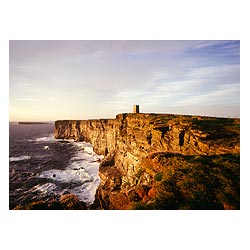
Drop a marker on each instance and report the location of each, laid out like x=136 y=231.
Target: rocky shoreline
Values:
x=162 y=161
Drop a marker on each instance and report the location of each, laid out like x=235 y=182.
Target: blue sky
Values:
x=52 y=80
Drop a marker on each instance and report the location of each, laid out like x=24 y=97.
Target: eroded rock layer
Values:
x=129 y=141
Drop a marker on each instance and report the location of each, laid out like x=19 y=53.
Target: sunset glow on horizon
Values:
x=51 y=80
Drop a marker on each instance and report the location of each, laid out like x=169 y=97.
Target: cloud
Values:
x=225 y=94
x=23 y=51
x=218 y=51
x=214 y=71
x=199 y=86
x=106 y=77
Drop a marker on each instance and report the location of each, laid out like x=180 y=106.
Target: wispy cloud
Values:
x=200 y=86
x=224 y=95
x=106 y=77
x=213 y=71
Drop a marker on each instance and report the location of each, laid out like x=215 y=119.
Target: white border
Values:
x=128 y=19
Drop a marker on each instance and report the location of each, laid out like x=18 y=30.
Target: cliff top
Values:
x=155 y=115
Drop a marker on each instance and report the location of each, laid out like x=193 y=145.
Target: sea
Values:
x=42 y=167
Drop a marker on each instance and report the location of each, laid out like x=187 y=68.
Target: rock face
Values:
x=65 y=202
x=129 y=140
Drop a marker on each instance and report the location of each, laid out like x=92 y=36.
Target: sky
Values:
x=52 y=80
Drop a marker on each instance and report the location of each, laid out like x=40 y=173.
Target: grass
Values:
x=195 y=182
x=218 y=127
x=158 y=176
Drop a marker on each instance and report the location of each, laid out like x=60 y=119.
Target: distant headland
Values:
x=32 y=123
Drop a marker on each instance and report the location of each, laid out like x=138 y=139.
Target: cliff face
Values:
x=128 y=140
x=100 y=133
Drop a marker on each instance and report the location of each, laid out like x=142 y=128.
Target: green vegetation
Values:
x=194 y=182
x=218 y=128
x=158 y=176
x=211 y=123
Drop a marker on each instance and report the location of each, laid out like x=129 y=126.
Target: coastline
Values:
x=139 y=147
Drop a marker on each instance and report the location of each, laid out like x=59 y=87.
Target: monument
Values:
x=136 y=109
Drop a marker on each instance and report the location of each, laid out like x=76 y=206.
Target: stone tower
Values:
x=136 y=109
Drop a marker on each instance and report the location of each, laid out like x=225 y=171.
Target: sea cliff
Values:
x=162 y=161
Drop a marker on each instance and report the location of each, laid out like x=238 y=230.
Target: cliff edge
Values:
x=163 y=161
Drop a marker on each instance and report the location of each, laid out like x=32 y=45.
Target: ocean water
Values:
x=41 y=167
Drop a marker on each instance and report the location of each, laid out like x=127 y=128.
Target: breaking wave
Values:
x=42 y=167
x=49 y=138
x=20 y=158
x=80 y=176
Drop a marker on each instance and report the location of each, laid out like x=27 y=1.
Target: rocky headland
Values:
x=162 y=161
x=32 y=123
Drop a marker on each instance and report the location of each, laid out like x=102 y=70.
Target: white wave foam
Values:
x=67 y=140
x=66 y=176
x=86 y=192
x=45 y=189
x=49 y=138
x=46 y=139
x=20 y=158
x=82 y=170
x=88 y=150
